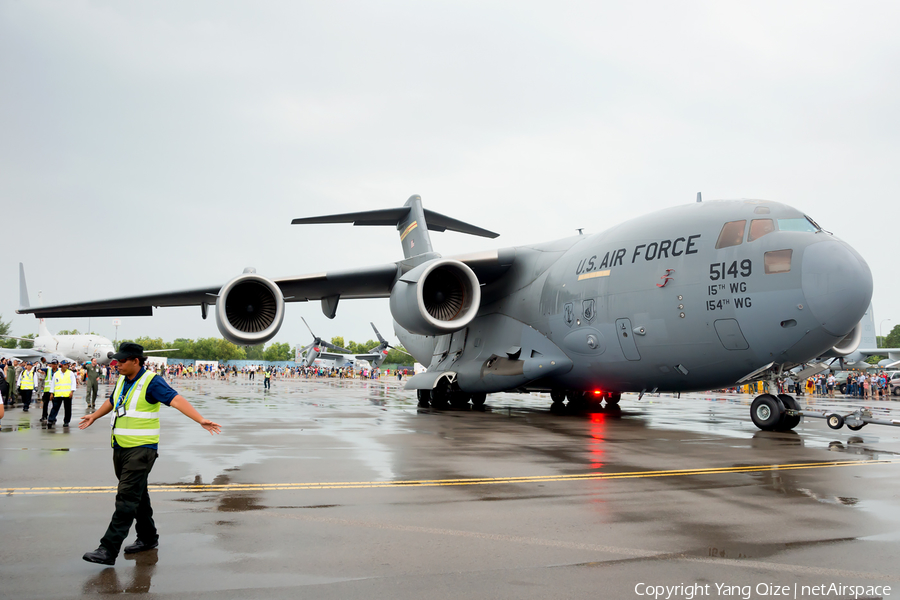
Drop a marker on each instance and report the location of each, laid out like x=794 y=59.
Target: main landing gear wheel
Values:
x=424 y=397
x=835 y=421
x=557 y=396
x=577 y=399
x=855 y=427
x=459 y=399
x=767 y=412
x=613 y=399
x=789 y=422
x=440 y=395
x=478 y=400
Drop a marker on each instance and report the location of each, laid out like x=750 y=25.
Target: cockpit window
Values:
x=759 y=228
x=732 y=234
x=778 y=261
x=799 y=224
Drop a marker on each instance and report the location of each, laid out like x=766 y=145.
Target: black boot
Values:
x=101 y=555
x=140 y=546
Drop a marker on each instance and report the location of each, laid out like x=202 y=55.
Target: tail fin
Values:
x=23 y=289
x=412 y=221
x=42 y=329
x=868 y=330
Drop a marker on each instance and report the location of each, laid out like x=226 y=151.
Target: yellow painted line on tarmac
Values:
x=337 y=485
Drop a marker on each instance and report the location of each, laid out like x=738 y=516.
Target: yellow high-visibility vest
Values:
x=48 y=380
x=140 y=425
x=27 y=380
x=62 y=383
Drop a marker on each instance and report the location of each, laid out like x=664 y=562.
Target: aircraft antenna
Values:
x=698 y=197
x=580 y=230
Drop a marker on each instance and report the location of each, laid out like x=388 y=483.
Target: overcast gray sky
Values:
x=149 y=146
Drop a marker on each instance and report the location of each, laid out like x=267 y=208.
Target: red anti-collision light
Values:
x=598 y=392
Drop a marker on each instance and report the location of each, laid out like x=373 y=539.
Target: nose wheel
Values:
x=775 y=413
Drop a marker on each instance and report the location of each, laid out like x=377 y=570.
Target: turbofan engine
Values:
x=437 y=297
x=249 y=309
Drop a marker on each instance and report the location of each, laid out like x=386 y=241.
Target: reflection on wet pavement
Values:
x=321 y=483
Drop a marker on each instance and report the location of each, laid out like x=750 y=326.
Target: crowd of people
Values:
x=52 y=384
x=251 y=372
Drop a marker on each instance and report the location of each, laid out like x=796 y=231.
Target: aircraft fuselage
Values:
x=653 y=303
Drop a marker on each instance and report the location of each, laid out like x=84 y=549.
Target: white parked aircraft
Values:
x=79 y=348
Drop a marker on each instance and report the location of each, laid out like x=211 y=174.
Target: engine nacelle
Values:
x=438 y=297
x=249 y=309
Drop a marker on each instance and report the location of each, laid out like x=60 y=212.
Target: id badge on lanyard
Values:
x=120 y=405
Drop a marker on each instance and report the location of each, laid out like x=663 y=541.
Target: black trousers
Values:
x=57 y=402
x=26 y=398
x=45 y=405
x=132 y=467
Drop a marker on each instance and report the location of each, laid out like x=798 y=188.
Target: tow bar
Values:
x=854 y=421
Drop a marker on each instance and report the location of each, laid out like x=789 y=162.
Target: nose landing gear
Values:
x=775 y=413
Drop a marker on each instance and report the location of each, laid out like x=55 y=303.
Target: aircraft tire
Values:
x=613 y=399
x=440 y=395
x=424 y=397
x=557 y=396
x=855 y=427
x=835 y=421
x=459 y=399
x=767 y=412
x=577 y=399
x=478 y=399
x=789 y=423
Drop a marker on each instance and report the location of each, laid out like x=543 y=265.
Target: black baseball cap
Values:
x=129 y=350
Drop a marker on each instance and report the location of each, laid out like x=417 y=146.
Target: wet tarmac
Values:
x=345 y=489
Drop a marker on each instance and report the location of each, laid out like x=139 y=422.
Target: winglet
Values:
x=380 y=339
x=23 y=289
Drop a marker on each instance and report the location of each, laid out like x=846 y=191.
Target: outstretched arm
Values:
x=87 y=420
x=188 y=410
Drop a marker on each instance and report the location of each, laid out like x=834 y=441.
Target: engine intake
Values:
x=249 y=309
x=438 y=297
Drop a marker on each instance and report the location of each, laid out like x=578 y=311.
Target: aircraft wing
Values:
x=369 y=357
x=488 y=265
x=878 y=351
x=29 y=354
x=334 y=356
x=21 y=353
x=368 y=282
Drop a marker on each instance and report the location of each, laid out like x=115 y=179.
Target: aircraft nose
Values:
x=837 y=284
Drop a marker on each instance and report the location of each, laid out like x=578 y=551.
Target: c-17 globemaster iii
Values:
x=690 y=298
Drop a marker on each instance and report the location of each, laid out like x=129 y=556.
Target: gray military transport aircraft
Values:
x=690 y=298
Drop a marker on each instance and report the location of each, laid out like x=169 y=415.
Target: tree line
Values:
x=214 y=348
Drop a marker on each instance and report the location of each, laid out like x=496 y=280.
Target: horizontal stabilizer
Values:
x=384 y=216
x=394 y=216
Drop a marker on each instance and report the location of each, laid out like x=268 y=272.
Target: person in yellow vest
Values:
x=267 y=378
x=26 y=386
x=62 y=388
x=48 y=386
x=134 y=403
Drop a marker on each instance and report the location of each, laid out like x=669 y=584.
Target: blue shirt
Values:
x=157 y=391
